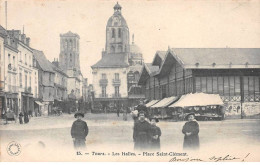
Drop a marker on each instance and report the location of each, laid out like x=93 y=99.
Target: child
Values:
x=155 y=133
x=191 y=132
x=79 y=131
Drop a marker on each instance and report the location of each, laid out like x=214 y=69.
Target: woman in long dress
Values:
x=191 y=132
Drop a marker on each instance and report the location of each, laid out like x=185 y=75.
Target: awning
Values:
x=39 y=103
x=164 y=102
x=151 y=103
x=198 y=99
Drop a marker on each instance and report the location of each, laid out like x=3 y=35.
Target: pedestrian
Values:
x=191 y=132
x=117 y=111
x=125 y=114
x=30 y=113
x=21 y=118
x=142 y=133
x=155 y=133
x=79 y=131
x=142 y=107
x=26 y=117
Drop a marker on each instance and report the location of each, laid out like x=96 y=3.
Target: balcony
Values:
x=116 y=82
x=103 y=82
x=13 y=89
x=103 y=96
x=116 y=95
x=28 y=90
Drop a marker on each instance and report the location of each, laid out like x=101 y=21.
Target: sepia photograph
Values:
x=129 y=81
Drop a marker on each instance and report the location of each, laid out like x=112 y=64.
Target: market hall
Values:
x=231 y=73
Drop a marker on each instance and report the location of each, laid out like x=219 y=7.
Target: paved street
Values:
x=108 y=132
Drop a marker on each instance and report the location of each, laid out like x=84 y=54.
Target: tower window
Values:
x=112 y=49
x=119 y=33
x=113 y=33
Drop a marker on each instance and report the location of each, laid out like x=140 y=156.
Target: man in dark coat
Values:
x=191 y=132
x=26 y=117
x=155 y=133
x=79 y=131
x=142 y=133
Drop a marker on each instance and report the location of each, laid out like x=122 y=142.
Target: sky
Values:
x=156 y=24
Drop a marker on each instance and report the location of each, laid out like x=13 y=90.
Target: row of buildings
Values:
x=31 y=83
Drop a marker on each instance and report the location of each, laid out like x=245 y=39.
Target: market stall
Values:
x=205 y=106
x=159 y=109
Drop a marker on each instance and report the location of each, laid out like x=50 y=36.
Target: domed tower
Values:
x=135 y=55
x=117 y=33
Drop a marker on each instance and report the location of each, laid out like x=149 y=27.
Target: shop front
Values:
x=205 y=106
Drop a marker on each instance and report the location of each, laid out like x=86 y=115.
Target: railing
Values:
x=116 y=95
x=103 y=81
x=13 y=89
x=28 y=90
x=116 y=81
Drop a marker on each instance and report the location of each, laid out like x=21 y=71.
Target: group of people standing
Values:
x=146 y=134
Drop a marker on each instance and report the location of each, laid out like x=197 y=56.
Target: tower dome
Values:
x=117 y=19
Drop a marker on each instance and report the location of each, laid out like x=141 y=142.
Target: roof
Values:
x=147 y=70
x=42 y=61
x=165 y=102
x=159 y=57
x=117 y=6
x=161 y=54
x=58 y=69
x=135 y=49
x=151 y=68
x=3 y=31
x=151 y=103
x=198 y=99
x=69 y=34
x=135 y=68
x=112 y=61
x=217 y=57
x=120 y=17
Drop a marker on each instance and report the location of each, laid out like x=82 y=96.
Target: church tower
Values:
x=117 y=33
x=69 y=51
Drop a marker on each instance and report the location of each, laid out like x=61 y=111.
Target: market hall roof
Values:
x=219 y=58
x=112 y=61
x=159 y=58
x=147 y=71
x=211 y=58
x=42 y=61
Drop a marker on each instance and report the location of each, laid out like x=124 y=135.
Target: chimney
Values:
x=28 y=41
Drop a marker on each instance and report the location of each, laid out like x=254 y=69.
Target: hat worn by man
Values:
x=78 y=113
x=141 y=113
x=192 y=113
x=154 y=118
